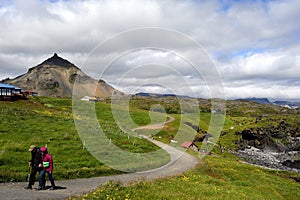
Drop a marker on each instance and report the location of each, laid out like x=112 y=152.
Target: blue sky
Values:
x=254 y=44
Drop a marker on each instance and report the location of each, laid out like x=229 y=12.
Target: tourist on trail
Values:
x=34 y=164
x=47 y=168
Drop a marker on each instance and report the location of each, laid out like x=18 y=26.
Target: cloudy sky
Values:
x=252 y=47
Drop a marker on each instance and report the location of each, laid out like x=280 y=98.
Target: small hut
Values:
x=191 y=145
x=88 y=98
x=30 y=93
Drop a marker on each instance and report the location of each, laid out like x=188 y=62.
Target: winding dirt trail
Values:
x=179 y=162
x=155 y=126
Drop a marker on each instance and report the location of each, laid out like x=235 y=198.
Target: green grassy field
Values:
x=216 y=177
x=220 y=176
x=50 y=121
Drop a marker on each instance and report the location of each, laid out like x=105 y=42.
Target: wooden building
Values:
x=10 y=92
x=191 y=145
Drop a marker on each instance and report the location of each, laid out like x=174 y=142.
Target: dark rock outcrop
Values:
x=278 y=138
x=275 y=147
x=59 y=61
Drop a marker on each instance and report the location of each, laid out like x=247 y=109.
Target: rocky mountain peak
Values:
x=55 y=77
x=58 y=61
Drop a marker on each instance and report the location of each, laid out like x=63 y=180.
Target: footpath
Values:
x=179 y=162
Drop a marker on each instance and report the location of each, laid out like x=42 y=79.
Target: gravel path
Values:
x=180 y=162
x=154 y=126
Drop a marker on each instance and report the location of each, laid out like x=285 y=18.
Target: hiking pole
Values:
x=28 y=176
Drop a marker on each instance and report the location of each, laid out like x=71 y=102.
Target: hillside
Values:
x=55 y=77
x=47 y=120
x=43 y=120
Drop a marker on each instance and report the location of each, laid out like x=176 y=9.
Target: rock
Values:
x=56 y=76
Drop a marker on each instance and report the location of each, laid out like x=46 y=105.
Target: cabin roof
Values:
x=186 y=144
x=3 y=85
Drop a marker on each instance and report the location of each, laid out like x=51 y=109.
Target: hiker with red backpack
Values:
x=47 y=167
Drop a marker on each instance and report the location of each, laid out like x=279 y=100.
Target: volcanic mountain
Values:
x=56 y=77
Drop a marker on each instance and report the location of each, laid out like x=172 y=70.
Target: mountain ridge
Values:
x=55 y=77
x=286 y=103
x=146 y=94
x=256 y=100
x=57 y=60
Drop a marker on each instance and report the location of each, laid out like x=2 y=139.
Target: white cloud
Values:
x=276 y=66
x=255 y=44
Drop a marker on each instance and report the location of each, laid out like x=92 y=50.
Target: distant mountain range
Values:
x=145 y=94
x=289 y=104
x=257 y=100
x=56 y=76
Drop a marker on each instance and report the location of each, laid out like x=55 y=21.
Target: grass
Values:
x=216 y=177
x=221 y=176
x=28 y=122
x=49 y=121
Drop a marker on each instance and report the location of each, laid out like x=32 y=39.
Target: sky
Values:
x=250 y=47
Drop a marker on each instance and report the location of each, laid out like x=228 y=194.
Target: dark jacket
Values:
x=36 y=157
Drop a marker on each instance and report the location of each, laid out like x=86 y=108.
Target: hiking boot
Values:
x=28 y=187
x=40 y=188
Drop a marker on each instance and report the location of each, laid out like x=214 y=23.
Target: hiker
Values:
x=222 y=148
x=47 y=168
x=35 y=164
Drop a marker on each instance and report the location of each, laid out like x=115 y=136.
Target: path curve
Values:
x=155 y=126
x=179 y=162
